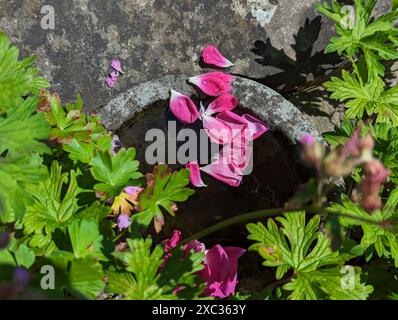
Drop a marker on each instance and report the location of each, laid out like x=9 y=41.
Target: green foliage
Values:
x=114 y=171
x=165 y=188
x=375 y=237
x=141 y=279
x=375 y=39
x=22 y=130
x=52 y=206
x=365 y=99
x=302 y=248
x=17 y=78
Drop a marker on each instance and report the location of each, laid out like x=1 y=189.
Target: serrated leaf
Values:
x=165 y=189
x=301 y=247
x=114 y=171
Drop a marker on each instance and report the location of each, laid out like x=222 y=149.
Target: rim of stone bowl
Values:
x=265 y=103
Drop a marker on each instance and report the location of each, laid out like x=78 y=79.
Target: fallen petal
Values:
x=218 y=131
x=213 y=83
x=183 y=108
x=223 y=172
x=116 y=65
x=211 y=55
x=225 y=102
x=257 y=127
x=111 y=82
x=194 y=174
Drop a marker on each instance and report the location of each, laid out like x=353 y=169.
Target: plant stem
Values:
x=239 y=219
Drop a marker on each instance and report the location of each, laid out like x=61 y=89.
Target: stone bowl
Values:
x=277 y=169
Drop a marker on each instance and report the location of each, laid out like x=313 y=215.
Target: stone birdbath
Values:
x=277 y=170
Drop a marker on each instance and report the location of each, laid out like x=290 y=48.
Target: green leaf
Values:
x=85 y=277
x=17 y=78
x=16 y=176
x=142 y=264
x=114 y=171
x=375 y=237
x=142 y=280
x=84 y=235
x=164 y=190
x=52 y=208
x=24 y=256
x=376 y=38
x=22 y=128
x=80 y=151
x=301 y=247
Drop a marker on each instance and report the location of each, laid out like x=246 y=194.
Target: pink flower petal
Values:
x=257 y=127
x=220 y=272
x=212 y=56
x=183 y=108
x=225 y=102
x=132 y=190
x=194 y=174
x=123 y=221
x=307 y=140
x=218 y=131
x=223 y=172
x=237 y=155
x=116 y=65
x=111 y=81
x=213 y=83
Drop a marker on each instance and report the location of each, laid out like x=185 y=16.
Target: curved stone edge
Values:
x=264 y=102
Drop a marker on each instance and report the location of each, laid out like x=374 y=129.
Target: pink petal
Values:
x=225 y=102
x=223 y=172
x=111 y=82
x=213 y=84
x=212 y=56
x=194 y=174
x=307 y=140
x=220 y=272
x=237 y=155
x=217 y=130
x=116 y=65
x=132 y=190
x=257 y=127
x=183 y=108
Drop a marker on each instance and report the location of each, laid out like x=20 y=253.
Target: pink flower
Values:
x=171 y=243
x=220 y=272
x=116 y=65
x=213 y=83
x=212 y=56
x=375 y=175
x=225 y=102
x=183 y=108
x=133 y=191
x=194 y=174
x=123 y=221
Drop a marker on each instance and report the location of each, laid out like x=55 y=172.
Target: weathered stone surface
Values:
x=267 y=104
x=152 y=38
